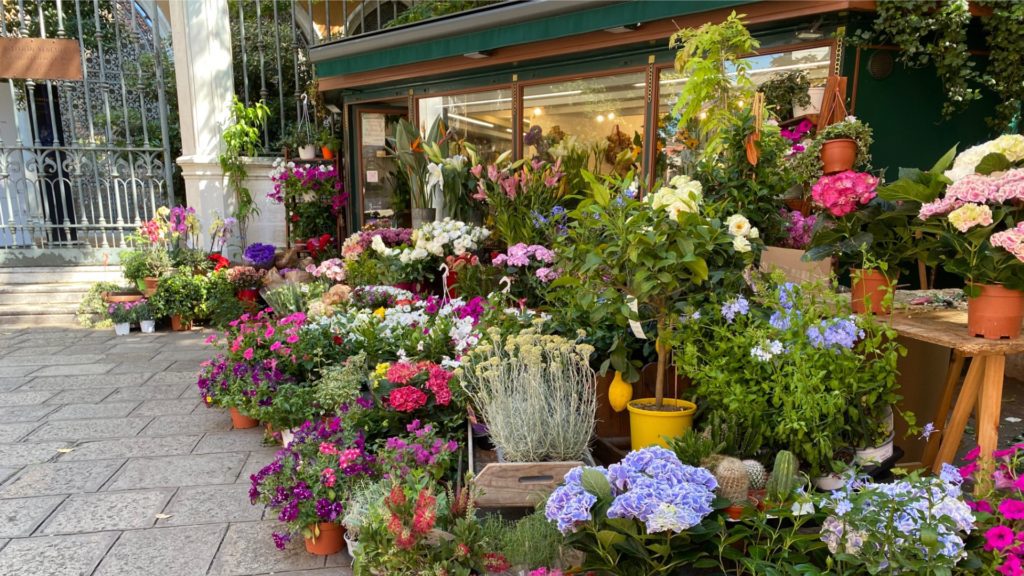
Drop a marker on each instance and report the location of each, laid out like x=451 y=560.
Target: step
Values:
x=7 y=310
x=62 y=275
x=42 y=297
x=47 y=288
x=31 y=321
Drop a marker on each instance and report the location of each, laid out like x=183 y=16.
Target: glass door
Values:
x=381 y=192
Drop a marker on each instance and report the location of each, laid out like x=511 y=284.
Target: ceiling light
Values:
x=611 y=115
x=599 y=118
x=471 y=120
x=537 y=111
x=509 y=130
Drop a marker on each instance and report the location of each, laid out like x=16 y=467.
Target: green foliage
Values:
x=181 y=294
x=92 y=310
x=222 y=305
x=693 y=448
x=153 y=262
x=784 y=89
x=242 y=137
x=530 y=541
x=784 y=477
x=291 y=298
x=291 y=405
x=1004 y=73
x=342 y=384
x=424 y=9
x=711 y=56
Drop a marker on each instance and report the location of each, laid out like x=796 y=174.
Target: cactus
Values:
x=756 y=472
x=733 y=480
x=783 y=478
x=711 y=461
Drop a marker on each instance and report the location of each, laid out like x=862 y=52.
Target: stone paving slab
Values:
x=27 y=413
x=60 y=478
x=211 y=505
x=131 y=364
x=131 y=447
x=179 y=551
x=175 y=378
x=140 y=393
x=231 y=441
x=19 y=517
x=248 y=548
x=166 y=407
x=102 y=511
x=257 y=460
x=23 y=454
x=14 y=371
x=72 y=555
x=74 y=369
x=17 y=430
x=195 y=470
x=24 y=397
x=40 y=351
x=81 y=396
x=86 y=381
x=48 y=359
x=89 y=429
x=187 y=424
x=9 y=384
x=7 y=472
x=94 y=410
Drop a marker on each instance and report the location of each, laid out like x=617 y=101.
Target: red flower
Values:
x=397 y=496
x=219 y=261
x=496 y=562
x=295 y=217
x=337 y=340
x=407 y=398
x=424 y=516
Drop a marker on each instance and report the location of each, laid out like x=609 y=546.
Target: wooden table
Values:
x=982 y=390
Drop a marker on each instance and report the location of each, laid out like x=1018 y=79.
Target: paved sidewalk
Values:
x=110 y=465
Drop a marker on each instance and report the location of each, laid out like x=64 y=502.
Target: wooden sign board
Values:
x=40 y=59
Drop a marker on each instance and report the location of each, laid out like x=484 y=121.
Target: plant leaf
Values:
x=994 y=162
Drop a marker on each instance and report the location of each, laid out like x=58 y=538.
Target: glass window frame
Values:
x=414 y=110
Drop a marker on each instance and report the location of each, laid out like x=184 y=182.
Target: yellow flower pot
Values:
x=649 y=427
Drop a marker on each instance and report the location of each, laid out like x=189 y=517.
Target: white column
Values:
x=201 y=37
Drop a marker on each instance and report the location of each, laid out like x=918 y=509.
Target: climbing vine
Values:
x=1005 y=73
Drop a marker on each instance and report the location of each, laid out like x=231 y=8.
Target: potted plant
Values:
x=979 y=235
x=364 y=499
x=219 y=387
x=181 y=296
x=301 y=140
x=844 y=145
x=308 y=482
x=145 y=266
x=329 y=143
x=632 y=262
x=615 y=516
x=144 y=315
x=247 y=281
x=122 y=314
x=873 y=236
x=539 y=407
x=785 y=91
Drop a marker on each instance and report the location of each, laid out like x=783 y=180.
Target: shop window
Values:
x=483 y=119
x=814 y=61
x=597 y=120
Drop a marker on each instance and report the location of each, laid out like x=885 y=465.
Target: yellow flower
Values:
x=379 y=312
x=209 y=399
x=382 y=369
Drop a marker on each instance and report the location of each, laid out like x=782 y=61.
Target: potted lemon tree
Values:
x=637 y=263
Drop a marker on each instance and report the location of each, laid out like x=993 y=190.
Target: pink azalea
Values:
x=247 y=354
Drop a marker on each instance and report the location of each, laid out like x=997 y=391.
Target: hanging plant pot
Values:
x=150 y=285
x=327 y=152
x=648 y=426
x=122 y=328
x=240 y=421
x=180 y=325
x=868 y=291
x=326 y=539
x=307 y=152
x=995 y=313
x=838 y=155
x=248 y=295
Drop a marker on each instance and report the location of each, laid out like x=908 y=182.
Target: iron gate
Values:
x=82 y=163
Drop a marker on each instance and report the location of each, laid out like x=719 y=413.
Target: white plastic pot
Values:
x=147 y=326
x=287 y=435
x=352 y=544
x=122 y=328
x=829 y=482
x=307 y=152
x=875 y=455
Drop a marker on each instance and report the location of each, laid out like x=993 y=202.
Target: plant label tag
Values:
x=635 y=326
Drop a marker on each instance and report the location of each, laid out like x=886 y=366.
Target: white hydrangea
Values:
x=1009 y=145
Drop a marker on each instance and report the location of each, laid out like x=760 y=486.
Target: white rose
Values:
x=754 y=234
x=738 y=225
x=741 y=244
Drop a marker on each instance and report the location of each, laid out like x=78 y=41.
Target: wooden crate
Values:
x=519 y=484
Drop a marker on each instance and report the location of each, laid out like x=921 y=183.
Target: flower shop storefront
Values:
x=580 y=326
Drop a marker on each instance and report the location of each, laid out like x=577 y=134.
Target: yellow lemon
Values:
x=620 y=392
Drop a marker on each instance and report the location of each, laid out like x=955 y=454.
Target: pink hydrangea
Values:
x=402 y=372
x=407 y=398
x=977 y=189
x=841 y=193
x=1011 y=240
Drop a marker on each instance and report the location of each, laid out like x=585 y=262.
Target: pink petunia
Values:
x=1012 y=509
x=1011 y=566
x=998 y=538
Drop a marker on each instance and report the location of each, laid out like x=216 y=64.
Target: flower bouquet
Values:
x=645 y=515
x=260 y=255
x=308 y=481
x=246 y=280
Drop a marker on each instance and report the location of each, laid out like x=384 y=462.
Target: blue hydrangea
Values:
x=569 y=505
x=734 y=307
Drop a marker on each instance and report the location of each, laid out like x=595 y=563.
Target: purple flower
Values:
x=836 y=334
x=737 y=305
x=259 y=254
x=327 y=510
x=281 y=539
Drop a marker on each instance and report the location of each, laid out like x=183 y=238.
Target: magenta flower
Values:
x=1012 y=509
x=998 y=538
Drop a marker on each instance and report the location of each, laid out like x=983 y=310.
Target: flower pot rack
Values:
x=340 y=223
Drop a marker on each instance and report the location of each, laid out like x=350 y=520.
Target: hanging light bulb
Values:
x=600 y=118
x=537 y=111
x=611 y=115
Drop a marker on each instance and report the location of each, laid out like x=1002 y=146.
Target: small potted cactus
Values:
x=733 y=485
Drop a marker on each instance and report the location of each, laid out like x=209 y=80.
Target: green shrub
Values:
x=181 y=294
x=92 y=310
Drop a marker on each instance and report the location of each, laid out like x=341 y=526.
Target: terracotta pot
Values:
x=331 y=540
x=328 y=154
x=995 y=313
x=868 y=291
x=179 y=325
x=248 y=295
x=240 y=421
x=838 y=155
x=151 y=285
x=121 y=297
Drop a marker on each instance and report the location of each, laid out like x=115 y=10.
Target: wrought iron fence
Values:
x=82 y=163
